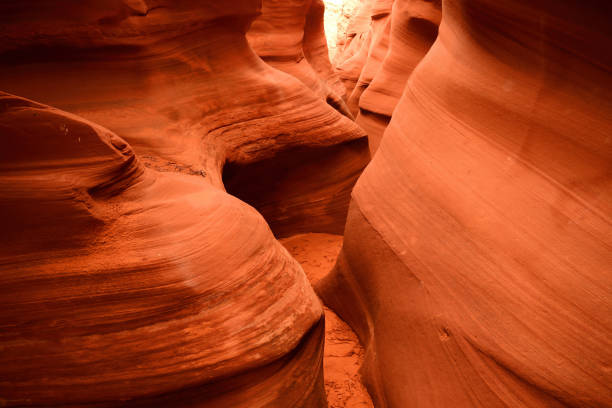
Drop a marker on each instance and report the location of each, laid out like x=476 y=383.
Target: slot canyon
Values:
x=306 y=203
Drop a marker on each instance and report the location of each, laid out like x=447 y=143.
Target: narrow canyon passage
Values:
x=305 y=204
x=343 y=356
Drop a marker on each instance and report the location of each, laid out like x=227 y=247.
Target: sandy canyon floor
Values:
x=343 y=353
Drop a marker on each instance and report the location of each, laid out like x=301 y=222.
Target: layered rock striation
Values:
x=350 y=61
x=413 y=29
x=131 y=276
x=477 y=253
x=290 y=36
x=124 y=285
x=380 y=19
x=182 y=86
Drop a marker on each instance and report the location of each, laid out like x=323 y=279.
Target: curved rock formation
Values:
x=315 y=47
x=345 y=21
x=379 y=44
x=131 y=277
x=181 y=84
x=355 y=52
x=290 y=36
x=124 y=285
x=414 y=28
x=477 y=254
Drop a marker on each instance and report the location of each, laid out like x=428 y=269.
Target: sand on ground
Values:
x=343 y=353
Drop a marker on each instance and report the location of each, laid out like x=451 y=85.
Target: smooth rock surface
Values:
x=183 y=87
x=414 y=28
x=290 y=36
x=354 y=54
x=125 y=285
x=476 y=265
x=131 y=276
x=379 y=45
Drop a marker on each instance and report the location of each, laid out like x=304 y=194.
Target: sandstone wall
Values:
x=131 y=277
x=477 y=253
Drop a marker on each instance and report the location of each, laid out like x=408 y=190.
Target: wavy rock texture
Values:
x=125 y=285
x=190 y=95
x=379 y=44
x=477 y=254
x=130 y=276
x=353 y=57
x=290 y=36
x=414 y=28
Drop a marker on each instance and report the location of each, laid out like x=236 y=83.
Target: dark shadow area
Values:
x=301 y=190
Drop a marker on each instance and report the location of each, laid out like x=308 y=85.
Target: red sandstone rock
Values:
x=315 y=47
x=133 y=278
x=477 y=259
x=345 y=24
x=289 y=35
x=355 y=51
x=124 y=285
x=414 y=27
x=189 y=94
x=379 y=43
x=477 y=254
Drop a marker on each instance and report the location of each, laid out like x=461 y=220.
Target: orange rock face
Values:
x=400 y=34
x=132 y=277
x=354 y=53
x=477 y=261
x=123 y=284
x=190 y=94
x=289 y=35
x=379 y=44
x=414 y=28
x=152 y=153
x=345 y=28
